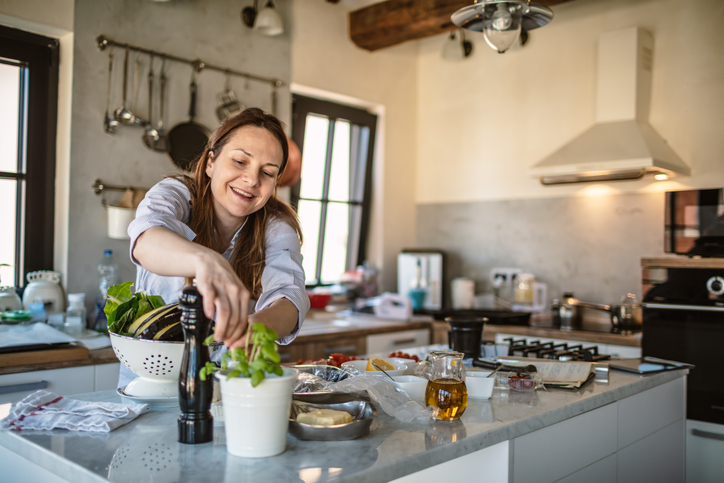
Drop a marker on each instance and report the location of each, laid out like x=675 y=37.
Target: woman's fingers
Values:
x=238 y=326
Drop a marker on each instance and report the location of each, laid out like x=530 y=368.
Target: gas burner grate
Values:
x=549 y=350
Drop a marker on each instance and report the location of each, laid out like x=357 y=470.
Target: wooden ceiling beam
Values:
x=392 y=22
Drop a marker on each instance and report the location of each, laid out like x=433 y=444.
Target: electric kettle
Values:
x=44 y=286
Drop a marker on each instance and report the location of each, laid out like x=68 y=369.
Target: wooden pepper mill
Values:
x=195 y=424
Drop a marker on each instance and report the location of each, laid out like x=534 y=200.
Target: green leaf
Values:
x=117 y=295
x=156 y=301
x=256 y=377
x=270 y=352
x=278 y=370
x=234 y=373
x=209 y=340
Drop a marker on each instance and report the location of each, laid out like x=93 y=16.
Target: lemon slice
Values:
x=382 y=363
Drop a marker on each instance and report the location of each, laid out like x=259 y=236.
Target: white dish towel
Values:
x=45 y=410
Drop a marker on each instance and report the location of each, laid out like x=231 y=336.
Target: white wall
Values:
x=483 y=122
x=324 y=58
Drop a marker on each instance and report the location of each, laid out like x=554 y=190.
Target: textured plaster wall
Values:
x=210 y=30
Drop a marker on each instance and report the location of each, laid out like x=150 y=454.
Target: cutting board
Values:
x=70 y=352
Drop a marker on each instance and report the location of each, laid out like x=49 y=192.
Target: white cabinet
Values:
x=489 y=464
x=704 y=451
x=558 y=450
x=65 y=381
x=638 y=438
x=394 y=341
x=69 y=380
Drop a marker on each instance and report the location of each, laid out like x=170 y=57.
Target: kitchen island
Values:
x=625 y=428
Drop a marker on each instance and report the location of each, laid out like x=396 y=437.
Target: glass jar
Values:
x=523 y=292
x=446 y=392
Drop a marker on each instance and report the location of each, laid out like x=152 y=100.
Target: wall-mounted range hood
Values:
x=621 y=144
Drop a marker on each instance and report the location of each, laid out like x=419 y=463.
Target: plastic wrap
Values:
x=385 y=395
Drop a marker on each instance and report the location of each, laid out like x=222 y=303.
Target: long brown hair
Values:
x=247 y=257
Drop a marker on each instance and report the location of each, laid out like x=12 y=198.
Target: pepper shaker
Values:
x=195 y=424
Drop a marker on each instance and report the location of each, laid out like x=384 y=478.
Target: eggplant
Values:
x=163 y=323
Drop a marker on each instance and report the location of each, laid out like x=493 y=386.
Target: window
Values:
x=28 y=113
x=333 y=194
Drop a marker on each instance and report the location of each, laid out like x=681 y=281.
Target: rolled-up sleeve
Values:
x=283 y=275
x=166 y=205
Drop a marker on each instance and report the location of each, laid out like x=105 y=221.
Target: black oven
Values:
x=683 y=320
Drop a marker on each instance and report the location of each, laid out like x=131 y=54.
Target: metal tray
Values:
x=361 y=411
x=329 y=374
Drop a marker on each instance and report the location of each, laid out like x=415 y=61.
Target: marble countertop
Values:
x=146 y=449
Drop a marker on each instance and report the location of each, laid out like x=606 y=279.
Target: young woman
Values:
x=226 y=229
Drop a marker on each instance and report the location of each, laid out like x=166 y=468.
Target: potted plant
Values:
x=256 y=393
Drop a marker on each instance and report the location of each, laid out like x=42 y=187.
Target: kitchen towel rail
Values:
x=198 y=64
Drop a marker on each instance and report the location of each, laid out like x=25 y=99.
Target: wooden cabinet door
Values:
x=349 y=346
x=292 y=352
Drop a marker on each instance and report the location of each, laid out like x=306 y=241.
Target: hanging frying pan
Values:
x=187 y=140
x=294 y=166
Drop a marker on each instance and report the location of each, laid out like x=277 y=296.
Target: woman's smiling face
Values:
x=243 y=176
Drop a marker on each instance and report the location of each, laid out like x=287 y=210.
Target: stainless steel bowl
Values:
x=361 y=411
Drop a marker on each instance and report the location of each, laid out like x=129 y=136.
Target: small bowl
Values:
x=361 y=412
x=361 y=366
x=408 y=363
x=479 y=385
x=414 y=386
x=319 y=300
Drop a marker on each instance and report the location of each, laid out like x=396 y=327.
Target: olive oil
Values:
x=448 y=397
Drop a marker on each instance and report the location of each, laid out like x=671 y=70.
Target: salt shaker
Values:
x=195 y=424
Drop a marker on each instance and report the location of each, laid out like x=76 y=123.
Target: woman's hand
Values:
x=225 y=297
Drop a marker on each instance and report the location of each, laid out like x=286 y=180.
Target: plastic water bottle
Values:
x=75 y=316
x=107 y=276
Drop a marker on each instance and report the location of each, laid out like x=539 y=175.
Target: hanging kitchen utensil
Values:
x=228 y=104
x=161 y=143
x=187 y=140
x=123 y=114
x=136 y=81
x=150 y=135
x=110 y=124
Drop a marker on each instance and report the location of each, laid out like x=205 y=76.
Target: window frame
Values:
x=302 y=106
x=37 y=153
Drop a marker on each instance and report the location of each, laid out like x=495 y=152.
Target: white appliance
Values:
x=421 y=269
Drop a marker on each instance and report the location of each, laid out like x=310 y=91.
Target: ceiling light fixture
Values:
x=502 y=21
x=455 y=49
x=266 y=22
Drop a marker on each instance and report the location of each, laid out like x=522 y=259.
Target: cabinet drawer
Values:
x=642 y=414
x=559 y=450
x=292 y=352
x=351 y=346
x=394 y=341
x=71 y=380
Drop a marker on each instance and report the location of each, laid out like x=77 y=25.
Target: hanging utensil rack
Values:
x=99 y=187
x=197 y=64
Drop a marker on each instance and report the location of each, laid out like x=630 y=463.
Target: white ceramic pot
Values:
x=44 y=286
x=256 y=419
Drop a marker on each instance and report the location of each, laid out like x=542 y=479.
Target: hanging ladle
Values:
x=150 y=134
x=110 y=124
x=123 y=114
x=161 y=143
